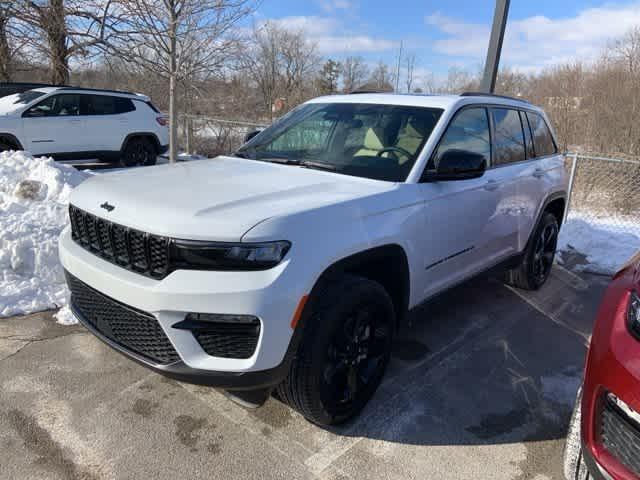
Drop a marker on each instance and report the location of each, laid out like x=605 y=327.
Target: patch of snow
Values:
x=607 y=245
x=65 y=317
x=34 y=194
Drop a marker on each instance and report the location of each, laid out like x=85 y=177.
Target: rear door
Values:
x=55 y=125
x=107 y=120
x=464 y=218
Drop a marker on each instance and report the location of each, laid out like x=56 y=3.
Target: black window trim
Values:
x=451 y=120
x=492 y=164
x=81 y=95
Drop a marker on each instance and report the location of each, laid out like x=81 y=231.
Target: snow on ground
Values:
x=34 y=193
x=607 y=244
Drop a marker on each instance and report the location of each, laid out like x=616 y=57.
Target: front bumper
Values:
x=271 y=295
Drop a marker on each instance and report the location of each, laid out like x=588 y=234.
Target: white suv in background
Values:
x=290 y=264
x=71 y=123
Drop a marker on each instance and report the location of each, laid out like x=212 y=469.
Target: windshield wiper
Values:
x=318 y=165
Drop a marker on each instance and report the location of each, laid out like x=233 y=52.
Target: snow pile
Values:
x=34 y=194
x=606 y=246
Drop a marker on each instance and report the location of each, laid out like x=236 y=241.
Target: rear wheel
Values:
x=538 y=257
x=6 y=145
x=344 y=352
x=139 y=151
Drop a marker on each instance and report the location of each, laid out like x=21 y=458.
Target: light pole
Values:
x=495 y=46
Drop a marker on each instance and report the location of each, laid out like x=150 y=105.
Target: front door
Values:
x=464 y=219
x=54 y=125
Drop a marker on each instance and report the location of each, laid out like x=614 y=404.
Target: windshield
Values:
x=366 y=140
x=15 y=101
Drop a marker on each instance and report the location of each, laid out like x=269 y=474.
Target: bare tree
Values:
x=410 y=63
x=6 y=57
x=70 y=28
x=354 y=73
x=381 y=79
x=179 y=40
x=281 y=63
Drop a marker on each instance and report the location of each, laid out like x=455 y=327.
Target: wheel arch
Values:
x=149 y=135
x=13 y=139
x=386 y=264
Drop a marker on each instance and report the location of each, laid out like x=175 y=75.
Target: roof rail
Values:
x=368 y=90
x=485 y=94
x=104 y=90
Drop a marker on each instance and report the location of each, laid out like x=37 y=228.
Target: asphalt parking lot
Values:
x=481 y=386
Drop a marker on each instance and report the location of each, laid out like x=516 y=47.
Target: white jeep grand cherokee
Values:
x=72 y=122
x=291 y=264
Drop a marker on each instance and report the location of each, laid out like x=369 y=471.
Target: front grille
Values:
x=134 y=250
x=229 y=340
x=134 y=330
x=620 y=436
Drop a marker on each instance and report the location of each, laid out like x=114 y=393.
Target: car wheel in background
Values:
x=6 y=145
x=344 y=352
x=573 y=465
x=139 y=151
x=538 y=257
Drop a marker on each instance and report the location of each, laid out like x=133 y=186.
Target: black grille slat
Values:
x=620 y=436
x=134 y=330
x=131 y=249
x=229 y=340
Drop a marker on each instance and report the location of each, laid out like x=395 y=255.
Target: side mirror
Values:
x=457 y=165
x=250 y=135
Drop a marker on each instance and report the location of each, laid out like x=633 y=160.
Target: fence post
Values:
x=572 y=177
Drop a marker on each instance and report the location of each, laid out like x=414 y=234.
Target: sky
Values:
x=455 y=33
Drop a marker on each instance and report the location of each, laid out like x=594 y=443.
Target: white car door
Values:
x=107 y=120
x=465 y=221
x=54 y=125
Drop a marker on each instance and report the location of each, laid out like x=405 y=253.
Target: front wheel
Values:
x=538 y=257
x=344 y=352
x=138 y=152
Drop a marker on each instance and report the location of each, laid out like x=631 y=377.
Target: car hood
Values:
x=215 y=199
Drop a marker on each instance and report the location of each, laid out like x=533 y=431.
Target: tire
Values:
x=138 y=151
x=328 y=382
x=537 y=260
x=6 y=145
x=574 y=467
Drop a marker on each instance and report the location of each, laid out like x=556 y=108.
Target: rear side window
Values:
x=468 y=132
x=531 y=153
x=509 y=137
x=107 y=105
x=542 y=139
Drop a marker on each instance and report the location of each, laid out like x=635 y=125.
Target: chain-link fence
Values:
x=210 y=136
x=605 y=191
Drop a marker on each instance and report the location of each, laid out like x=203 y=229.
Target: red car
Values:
x=604 y=436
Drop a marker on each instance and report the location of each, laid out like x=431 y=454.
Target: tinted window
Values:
x=63 y=105
x=542 y=139
x=509 y=137
x=106 y=105
x=531 y=153
x=469 y=132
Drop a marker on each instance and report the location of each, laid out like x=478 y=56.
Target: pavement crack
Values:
x=30 y=341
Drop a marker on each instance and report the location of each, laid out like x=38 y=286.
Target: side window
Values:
x=124 y=105
x=542 y=138
x=63 y=105
x=468 y=132
x=306 y=137
x=531 y=153
x=100 y=105
x=509 y=137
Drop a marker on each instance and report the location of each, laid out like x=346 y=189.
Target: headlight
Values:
x=227 y=256
x=633 y=314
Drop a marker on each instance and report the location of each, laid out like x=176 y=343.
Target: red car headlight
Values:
x=633 y=314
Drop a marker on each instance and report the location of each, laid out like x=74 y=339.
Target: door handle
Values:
x=538 y=173
x=491 y=185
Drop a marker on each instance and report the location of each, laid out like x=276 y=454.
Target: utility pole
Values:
x=495 y=46
x=398 y=67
